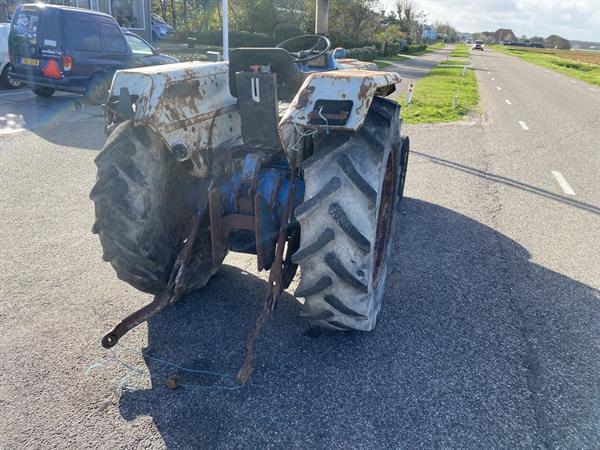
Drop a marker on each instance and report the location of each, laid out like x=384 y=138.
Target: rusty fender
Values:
x=187 y=104
x=357 y=85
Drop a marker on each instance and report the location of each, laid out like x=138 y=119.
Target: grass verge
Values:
x=461 y=50
x=389 y=60
x=433 y=96
x=576 y=69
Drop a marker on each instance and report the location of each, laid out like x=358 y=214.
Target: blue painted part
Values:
x=331 y=64
x=272 y=191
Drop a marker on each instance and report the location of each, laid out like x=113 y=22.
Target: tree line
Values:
x=352 y=23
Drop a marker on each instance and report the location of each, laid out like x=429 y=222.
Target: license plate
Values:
x=30 y=61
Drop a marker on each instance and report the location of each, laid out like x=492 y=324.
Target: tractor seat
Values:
x=289 y=76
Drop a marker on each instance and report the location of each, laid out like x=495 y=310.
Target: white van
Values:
x=5 y=80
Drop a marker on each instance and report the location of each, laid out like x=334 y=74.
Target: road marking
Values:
x=508 y=102
x=493 y=79
x=15 y=93
x=565 y=186
x=523 y=125
x=499 y=88
x=593 y=90
x=489 y=73
x=547 y=71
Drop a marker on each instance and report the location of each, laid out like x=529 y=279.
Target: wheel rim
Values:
x=384 y=218
x=13 y=83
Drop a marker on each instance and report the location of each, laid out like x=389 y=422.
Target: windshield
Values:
x=138 y=46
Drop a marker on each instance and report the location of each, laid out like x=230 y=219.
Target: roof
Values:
x=64 y=8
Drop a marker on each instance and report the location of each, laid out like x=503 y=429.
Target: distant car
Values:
x=59 y=48
x=5 y=80
x=478 y=45
x=469 y=41
x=160 y=28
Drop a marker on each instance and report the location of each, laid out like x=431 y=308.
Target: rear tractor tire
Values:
x=352 y=183
x=142 y=216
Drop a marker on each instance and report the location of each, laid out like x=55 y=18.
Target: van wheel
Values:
x=97 y=91
x=44 y=91
x=6 y=81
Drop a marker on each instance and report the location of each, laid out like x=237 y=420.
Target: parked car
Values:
x=59 y=48
x=160 y=28
x=478 y=45
x=5 y=80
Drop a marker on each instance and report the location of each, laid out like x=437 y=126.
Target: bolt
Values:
x=180 y=152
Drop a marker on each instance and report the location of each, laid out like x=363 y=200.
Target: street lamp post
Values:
x=225 y=31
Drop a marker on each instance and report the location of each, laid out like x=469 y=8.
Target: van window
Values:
x=48 y=29
x=113 y=40
x=84 y=36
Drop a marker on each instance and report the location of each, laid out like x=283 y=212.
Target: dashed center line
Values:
x=564 y=185
x=499 y=88
x=489 y=73
x=508 y=102
x=493 y=79
x=523 y=125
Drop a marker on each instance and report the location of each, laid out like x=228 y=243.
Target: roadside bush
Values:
x=415 y=48
x=285 y=31
x=362 y=53
x=392 y=49
x=236 y=38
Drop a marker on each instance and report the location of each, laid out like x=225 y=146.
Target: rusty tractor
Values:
x=294 y=156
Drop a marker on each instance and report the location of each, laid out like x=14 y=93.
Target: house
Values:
x=504 y=34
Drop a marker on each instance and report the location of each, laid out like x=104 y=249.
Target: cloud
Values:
x=572 y=19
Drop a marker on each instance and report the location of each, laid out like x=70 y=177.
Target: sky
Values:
x=571 y=19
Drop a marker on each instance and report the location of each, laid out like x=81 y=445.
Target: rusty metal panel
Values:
x=186 y=104
x=356 y=85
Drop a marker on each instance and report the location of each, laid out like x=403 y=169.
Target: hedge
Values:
x=362 y=53
x=236 y=38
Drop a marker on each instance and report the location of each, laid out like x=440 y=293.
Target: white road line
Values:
x=565 y=186
x=493 y=79
x=489 y=73
x=523 y=125
x=593 y=90
x=499 y=88
x=508 y=102
x=15 y=93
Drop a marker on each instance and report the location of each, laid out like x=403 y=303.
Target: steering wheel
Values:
x=310 y=54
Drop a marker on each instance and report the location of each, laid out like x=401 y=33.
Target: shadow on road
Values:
x=476 y=347
x=54 y=119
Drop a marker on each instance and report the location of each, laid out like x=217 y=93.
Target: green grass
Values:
x=382 y=63
x=576 y=69
x=461 y=50
x=433 y=96
x=455 y=61
x=389 y=60
x=436 y=46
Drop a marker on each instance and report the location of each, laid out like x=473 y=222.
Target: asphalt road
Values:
x=488 y=337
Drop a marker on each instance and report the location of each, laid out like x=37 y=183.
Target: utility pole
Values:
x=322 y=17
x=225 y=30
x=3 y=10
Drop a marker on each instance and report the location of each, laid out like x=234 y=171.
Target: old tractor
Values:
x=293 y=156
